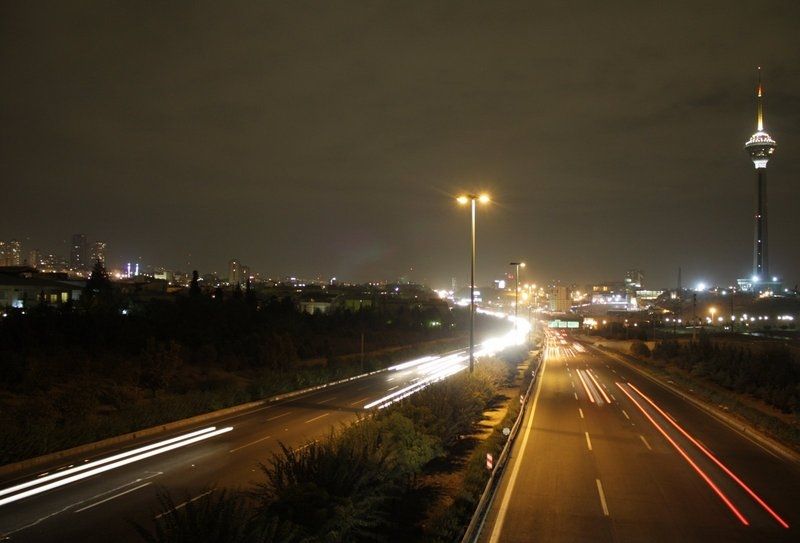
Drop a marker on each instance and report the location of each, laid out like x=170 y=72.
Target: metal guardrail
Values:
x=487 y=496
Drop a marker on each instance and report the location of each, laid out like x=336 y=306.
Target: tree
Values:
x=98 y=281
x=249 y=293
x=194 y=286
x=98 y=287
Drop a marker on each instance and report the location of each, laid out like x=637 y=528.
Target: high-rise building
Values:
x=78 y=260
x=760 y=147
x=98 y=252
x=53 y=263
x=34 y=258
x=634 y=279
x=559 y=299
x=10 y=253
x=234 y=272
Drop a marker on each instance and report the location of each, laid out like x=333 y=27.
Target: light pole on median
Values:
x=516 y=288
x=463 y=200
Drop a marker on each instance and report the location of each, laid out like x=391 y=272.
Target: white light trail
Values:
x=603 y=392
x=96 y=463
x=412 y=363
x=113 y=465
x=436 y=368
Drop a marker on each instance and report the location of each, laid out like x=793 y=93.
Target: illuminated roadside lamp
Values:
x=463 y=200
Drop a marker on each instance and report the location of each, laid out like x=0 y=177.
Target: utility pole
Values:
x=516 y=288
x=362 y=351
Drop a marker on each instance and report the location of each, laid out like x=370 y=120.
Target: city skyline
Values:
x=340 y=156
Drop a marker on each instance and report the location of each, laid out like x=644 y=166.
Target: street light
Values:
x=463 y=200
x=517 y=266
x=713 y=311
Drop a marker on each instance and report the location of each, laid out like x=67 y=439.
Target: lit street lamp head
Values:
x=466 y=198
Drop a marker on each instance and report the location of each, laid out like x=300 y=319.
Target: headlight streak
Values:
x=603 y=392
x=90 y=465
x=714 y=459
x=436 y=368
x=403 y=393
x=109 y=466
x=411 y=363
x=585 y=386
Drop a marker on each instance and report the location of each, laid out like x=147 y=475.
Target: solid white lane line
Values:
x=182 y=505
x=588 y=441
x=248 y=444
x=580 y=411
x=501 y=513
x=603 y=503
x=316 y=418
x=646 y=444
x=279 y=416
x=626 y=414
x=95 y=504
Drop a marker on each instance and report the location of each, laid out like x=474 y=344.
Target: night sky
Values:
x=330 y=138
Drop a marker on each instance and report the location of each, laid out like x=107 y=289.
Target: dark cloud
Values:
x=329 y=138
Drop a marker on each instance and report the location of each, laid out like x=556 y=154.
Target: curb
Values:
x=743 y=428
x=155 y=430
x=475 y=525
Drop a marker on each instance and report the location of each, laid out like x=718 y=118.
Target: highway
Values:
x=98 y=497
x=606 y=454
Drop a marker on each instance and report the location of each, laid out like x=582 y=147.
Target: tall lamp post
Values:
x=517 y=266
x=463 y=200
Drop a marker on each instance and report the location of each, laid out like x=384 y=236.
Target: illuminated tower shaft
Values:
x=760 y=146
x=760 y=249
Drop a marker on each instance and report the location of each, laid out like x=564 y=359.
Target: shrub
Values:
x=640 y=348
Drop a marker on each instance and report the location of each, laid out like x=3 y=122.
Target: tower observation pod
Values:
x=760 y=147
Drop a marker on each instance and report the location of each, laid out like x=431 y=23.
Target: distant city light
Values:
x=700 y=287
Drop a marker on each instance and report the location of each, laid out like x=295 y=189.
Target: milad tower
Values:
x=760 y=146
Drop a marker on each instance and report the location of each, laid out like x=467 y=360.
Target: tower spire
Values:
x=760 y=103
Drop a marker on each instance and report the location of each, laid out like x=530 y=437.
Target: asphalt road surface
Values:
x=606 y=454
x=123 y=482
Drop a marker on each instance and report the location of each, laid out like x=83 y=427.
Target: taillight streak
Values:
x=714 y=459
x=685 y=456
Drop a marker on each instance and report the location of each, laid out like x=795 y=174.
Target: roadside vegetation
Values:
x=72 y=375
x=367 y=481
x=759 y=383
